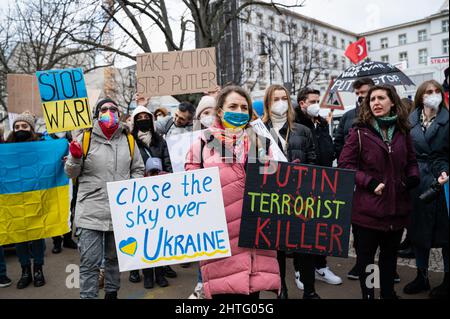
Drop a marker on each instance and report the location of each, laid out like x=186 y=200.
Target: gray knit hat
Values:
x=24 y=117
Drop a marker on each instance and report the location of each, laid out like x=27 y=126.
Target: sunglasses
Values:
x=105 y=109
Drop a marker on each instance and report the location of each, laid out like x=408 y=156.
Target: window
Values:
x=272 y=23
x=343 y=63
x=262 y=71
x=315 y=35
x=423 y=56
x=259 y=19
x=325 y=38
x=384 y=43
x=327 y=76
x=248 y=16
x=422 y=35
x=368 y=46
x=342 y=44
x=305 y=55
x=249 y=68
x=334 y=41
x=445 y=25
x=402 y=39
x=335 y=61
x=304 y=31
x=294 y=28
x=316 y=56
x=403 y=56
x=385 y=58
x=248 y=41
x=445 y=46
x=325 y=59
x=282 y=26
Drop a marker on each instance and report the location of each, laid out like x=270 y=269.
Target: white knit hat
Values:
x=206 y=102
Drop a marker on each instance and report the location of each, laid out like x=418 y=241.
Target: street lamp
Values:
x=263 y=54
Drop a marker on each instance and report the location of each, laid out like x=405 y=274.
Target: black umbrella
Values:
x=379 y=72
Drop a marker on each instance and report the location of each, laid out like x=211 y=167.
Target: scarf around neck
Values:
x=386 y=122
x=236 y=141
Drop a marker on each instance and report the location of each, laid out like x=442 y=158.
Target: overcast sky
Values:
x=354 y=15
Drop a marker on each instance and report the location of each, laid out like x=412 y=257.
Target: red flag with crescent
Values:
x=357 y=51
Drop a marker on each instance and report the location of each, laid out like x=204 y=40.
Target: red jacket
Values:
x=376 y=162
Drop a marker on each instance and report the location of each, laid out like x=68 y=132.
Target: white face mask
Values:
x=432 y=101
x=313 y=110
x=207 y=120
x=280 y=108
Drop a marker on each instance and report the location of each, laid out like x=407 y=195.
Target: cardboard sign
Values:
x=299 y=208
x=64 y=100
x=169 y=219
x=332 y=100
x=178 y=72
x=23 y=94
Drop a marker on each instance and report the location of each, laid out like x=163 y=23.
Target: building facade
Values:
x=266 y=46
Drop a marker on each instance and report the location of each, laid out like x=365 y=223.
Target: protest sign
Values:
x=177 y=72
x=179 y=145
x=34 y=191
x=301 y=208
x=23 y=94
x=64 y=100
x=262 y=130
x=169 y=219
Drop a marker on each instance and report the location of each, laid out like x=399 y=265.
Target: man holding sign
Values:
x=64 y=100
x=105 y=154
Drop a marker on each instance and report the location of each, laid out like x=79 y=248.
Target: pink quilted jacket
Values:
x=246 y=270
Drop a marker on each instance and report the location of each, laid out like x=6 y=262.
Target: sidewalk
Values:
x=182 y=287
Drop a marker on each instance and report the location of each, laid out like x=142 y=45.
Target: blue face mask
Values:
x=235 y=120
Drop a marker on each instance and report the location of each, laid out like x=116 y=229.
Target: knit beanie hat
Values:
x=24 y=117
x=205 y=103
x=100 y=103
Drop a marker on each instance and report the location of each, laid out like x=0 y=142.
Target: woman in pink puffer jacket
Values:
x=246 y=272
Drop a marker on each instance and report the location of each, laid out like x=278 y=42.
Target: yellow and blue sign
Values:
x=34 y=191
x=64 y=99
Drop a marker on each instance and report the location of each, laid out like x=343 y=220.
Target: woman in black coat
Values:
x=296 y=142
x=429 y=221
x=151 y=145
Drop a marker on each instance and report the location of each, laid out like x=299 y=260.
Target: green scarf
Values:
x=386 y=122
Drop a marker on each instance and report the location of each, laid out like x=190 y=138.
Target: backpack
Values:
x=87 y=143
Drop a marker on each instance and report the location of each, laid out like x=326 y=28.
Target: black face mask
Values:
x=144 y=125
x=22 y=136
x=360 y=100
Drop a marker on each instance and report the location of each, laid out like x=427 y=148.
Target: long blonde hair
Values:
x=268 y=96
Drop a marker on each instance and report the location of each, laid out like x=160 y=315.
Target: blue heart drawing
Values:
x=128 y=246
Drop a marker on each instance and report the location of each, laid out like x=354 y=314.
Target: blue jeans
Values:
x=2 y=263
x=423 y=256
x=37 y=252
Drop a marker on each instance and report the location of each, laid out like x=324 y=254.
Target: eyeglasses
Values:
x=113 y=109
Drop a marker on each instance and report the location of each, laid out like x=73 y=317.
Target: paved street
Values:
x=182 y=287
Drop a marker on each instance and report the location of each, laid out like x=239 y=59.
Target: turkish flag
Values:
x=357 y=51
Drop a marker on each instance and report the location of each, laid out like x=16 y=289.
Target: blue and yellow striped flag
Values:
x=34 y=191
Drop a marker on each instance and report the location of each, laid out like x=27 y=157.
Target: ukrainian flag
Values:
x=34 y=191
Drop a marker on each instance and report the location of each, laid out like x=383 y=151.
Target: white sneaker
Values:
x=297 y=280
x=198 y=292
x=325 y=274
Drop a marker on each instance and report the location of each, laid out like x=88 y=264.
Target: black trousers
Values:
x=305 y=263
x=367 y=242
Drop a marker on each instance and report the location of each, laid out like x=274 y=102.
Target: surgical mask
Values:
x=207 y=120
x=22 y=136
x=313 y=110
x=432 y=101
x=280 y=107
x=109 y=119
x=235 y=120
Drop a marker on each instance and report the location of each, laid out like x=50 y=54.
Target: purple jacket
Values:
x=376 y=162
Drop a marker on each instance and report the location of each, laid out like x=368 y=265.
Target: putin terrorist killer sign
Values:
x=299 y=208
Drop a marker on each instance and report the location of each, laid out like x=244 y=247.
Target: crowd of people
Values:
x=399 y=153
